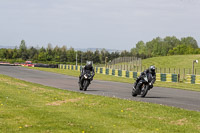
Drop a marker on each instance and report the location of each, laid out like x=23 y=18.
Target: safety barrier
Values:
x=167 y=77
x=129 y=74
x=193 y=79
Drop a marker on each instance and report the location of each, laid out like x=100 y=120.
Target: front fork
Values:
x=143 y=87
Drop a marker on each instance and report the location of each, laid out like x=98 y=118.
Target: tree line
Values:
x=167 y=46
x=156 y=47
x=55 y=55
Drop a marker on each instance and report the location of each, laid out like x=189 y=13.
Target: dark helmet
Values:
x=152 y=69
x=89 y=63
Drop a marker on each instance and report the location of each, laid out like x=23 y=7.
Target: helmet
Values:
x=89 y=63
x=152 y=69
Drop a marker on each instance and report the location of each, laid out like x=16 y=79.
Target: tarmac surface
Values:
x=189 y=100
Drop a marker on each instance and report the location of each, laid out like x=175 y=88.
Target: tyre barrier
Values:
x=165 y=77
x=193 y=79
x=45 y=65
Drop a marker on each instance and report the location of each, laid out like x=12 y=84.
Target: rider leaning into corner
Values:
x=151 y=70
x=87 y=69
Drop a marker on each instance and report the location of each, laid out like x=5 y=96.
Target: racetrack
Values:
x=167 y=96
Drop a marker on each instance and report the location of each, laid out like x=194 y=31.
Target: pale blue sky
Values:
x=111 y=24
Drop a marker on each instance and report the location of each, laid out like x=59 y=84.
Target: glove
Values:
x=91 y=78
x=151 y=85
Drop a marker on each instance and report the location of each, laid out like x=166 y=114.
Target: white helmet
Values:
x=152 y=69
x=89 y=63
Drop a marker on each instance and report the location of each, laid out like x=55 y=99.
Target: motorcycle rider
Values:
x=87 y=69
x=151 y=70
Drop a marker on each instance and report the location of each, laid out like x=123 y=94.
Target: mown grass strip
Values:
x=185 y=86
x=28 y=107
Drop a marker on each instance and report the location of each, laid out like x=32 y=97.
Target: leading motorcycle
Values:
x=86 y=81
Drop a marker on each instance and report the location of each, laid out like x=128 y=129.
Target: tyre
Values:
x=134 y=94
x=138 y=88
x=80 y=86
x=144 y=90
x=85 y=84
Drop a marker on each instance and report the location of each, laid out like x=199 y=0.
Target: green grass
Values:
x=176 y=61
x=29 y=108
x=179 y=64
x=193 y=87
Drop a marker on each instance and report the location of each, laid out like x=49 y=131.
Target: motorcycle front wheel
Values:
x=80 y=87
x=144 y=90
x=85 y=85
x=134 y=94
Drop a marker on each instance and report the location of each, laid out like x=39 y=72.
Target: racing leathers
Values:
x=86 y=69
x=144 y=73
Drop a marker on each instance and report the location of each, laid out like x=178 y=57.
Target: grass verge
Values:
x=175 y=61
x=29 y=107
x=185 y=86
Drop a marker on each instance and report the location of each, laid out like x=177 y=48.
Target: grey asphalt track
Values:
x=189 y=100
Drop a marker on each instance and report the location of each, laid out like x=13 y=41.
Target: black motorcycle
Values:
x=143 y=86
x=86 y=81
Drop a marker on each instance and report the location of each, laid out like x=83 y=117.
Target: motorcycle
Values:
x=143 y=86
x=86 y=81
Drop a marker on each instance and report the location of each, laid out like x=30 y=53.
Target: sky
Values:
x=110 y=24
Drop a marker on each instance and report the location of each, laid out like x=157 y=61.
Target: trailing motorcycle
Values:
x=86 y=81
x=143 y=86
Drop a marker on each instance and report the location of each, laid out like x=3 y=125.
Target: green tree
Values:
x=96 y=58
x=114 y=55
x=3 y=53
x=63 y=56
x=15 y=53
x=71 y=54
x=49 y=52
x=125 y=53
x=168 y=44
x=23 y=50
x=181 y=50
x=140 y=50
x=149 y=49
x=57 y=52
x=89 y=55
x=104 y=54
x=189 y=41
x=33 y=52
x=9 y=54
x=42 y=54
x=171 y=41
x=79 y=56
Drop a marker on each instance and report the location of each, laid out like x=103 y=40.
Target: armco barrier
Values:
x=165 y=77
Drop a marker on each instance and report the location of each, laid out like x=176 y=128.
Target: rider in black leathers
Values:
x=87 y=69
x=151 y=70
